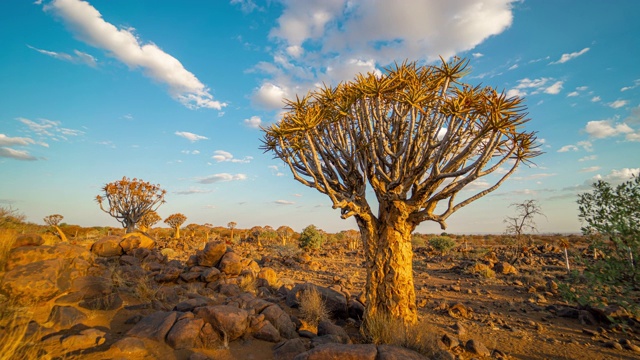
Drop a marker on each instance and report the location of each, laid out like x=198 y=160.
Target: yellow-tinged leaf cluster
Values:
x=130 y=199
x=175 y=220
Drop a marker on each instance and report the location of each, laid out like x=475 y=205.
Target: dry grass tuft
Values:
x=312 y=307
x=482 y=270
x=384 y=329
x=7 y=238
x=248 y=283
x=15 y=342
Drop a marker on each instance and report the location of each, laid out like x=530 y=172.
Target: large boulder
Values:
x=230 y=321
x=231 y=264
x=505 y=268
x=37 y=281
x=154 y=326
x=72 y=254
x=278 y=318
x=211 y=254
x=136 y=240
x=27 y=240
x=107 y=247
x=185 y=334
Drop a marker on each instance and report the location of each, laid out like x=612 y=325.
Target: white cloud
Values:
x=601 y=129
x=331 y=41
x=573 y=93
x=10 y=153
x=568 y=148
x=253 y=122
x=222 y=177
x=191 y=136
x=190 y=152
x=590 y=169
x=616 y=177
x=271 y=96
x=618 y=104
x=477 y=55
x=9 y=141
x=122 y=44
x=225 y=156
x=595 y=99
x=534 y=86
x=555 y=88
x=513 y=67
x=284 y=202
x=566 y=57
x=79 y=58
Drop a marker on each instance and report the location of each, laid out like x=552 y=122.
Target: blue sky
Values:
x=174 y=92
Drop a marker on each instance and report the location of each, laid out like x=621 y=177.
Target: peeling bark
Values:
x=389 y=257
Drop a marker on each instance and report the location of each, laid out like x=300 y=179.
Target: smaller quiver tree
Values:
x=231 y=225
x=128 y=200
x=53 y=221
x=175 y=221
x=285 y=233
x=148 y=220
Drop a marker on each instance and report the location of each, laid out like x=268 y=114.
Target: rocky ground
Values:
x=131 y=298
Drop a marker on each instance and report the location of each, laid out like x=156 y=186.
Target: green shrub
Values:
x=443 y=244
x=311 y=238
x=612 y=221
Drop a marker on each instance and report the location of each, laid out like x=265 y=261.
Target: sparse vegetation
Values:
x=385 y=329
x=611 y=217
x=443 y=244
x=312 y=307
x=311 y=238
x=521 y=223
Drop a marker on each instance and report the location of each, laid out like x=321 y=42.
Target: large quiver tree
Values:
x=417 y=136
x=129 y=200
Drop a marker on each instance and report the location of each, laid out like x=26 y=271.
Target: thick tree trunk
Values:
x=177 y=232
x=130 y=228
x=389 y=289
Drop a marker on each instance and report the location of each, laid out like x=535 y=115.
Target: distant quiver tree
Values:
x=175 y=221
x=53 y=221
x=129 y=200
x=416 y=136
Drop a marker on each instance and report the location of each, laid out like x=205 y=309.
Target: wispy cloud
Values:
x=191 y=136
x=50 y=129
x=79 y=57
x=566 y=57
x=590 y=169
x=121 y=43
x=222 y=177
x=568 y=148
x=192 y=191
x=7 y=152
x=528 y=86
x=588 y=158
x=618 y=104
x=284 y=202
x=595 y=99
x=225 y=156
x=636 y=83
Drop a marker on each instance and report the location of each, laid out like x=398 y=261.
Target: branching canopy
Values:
x=129 y=200
x=416 y=135
x=175 y=220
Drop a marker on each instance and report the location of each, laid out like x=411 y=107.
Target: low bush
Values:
x=443 y=244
